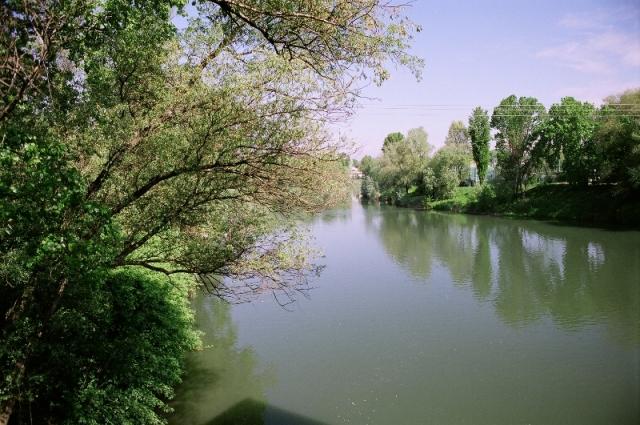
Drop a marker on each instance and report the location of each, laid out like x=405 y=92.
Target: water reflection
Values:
x=222 y=378
x=527 y=269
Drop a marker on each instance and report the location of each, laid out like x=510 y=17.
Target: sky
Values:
x=479 y=52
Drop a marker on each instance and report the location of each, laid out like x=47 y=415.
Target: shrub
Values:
x=369 y=189
x=486 y=199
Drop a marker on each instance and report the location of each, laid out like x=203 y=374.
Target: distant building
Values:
x=356 y=173
x=473 y=173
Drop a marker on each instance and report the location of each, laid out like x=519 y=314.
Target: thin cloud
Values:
x=576 y=56
x=596 y=46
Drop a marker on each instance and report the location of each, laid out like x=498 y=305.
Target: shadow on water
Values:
x=526 y=269
x=223 y=383
x=252 y=412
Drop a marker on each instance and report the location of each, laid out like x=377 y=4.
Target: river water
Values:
x=427 y=318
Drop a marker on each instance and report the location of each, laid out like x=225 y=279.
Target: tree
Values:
x=480 y=134
x=369 y=189
x=392 y=139
x=567 y=139
x=417 y=137
x=439 y=184
x=452 y=158
x=368 y=166
x=402 y=163
x=126 y=145
x=517 y=121
x=458 y=135
x=445 y=171
x=617 y=138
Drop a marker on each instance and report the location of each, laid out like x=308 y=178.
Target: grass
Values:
x=585 y=205
x=462 y=198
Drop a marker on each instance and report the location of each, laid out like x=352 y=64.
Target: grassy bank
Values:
x=590 y=205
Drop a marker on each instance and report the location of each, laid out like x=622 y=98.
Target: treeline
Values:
x=573 y=142
x=140 y=162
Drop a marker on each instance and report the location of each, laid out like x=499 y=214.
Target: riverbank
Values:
x=594 y=205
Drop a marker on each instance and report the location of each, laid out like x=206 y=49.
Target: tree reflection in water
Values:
x=527 y=269
x=222 y=375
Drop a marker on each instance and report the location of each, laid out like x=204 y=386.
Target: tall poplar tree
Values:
x=480 y=135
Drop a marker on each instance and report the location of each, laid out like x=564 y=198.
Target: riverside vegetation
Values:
x=139 y=163
x=573 y=162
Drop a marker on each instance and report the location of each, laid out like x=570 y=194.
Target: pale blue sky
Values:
x=478 y=52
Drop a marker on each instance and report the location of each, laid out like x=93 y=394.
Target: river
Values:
x=427 y=318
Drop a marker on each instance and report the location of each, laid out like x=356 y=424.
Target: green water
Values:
x=425 y=318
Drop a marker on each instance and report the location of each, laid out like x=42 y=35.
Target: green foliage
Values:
x=113 y=350
x=452 y=158
x=457 y=136
x=439 y=183
x=402 y=164
x=448 y=168
x=458 y=200
x=597 y=147
x=598 y=204
x=487 y=199
x=480 y=134
x=368 y=165
x=127 y=145
x=109 y=349
x=369 y=189
x=517 y=121
x=567 y=137
x=618 y=139
x=392 y=139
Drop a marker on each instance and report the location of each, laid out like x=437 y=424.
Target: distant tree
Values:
x=369 y=189
x=402 y=162
x=440 y=183
x=392 y=139
x=480 y=134
x=368 y=165
x=458 y=135
x=517 y=121
x=452 y=158
x=618 y=139
x=417 y=136
x=567 y=138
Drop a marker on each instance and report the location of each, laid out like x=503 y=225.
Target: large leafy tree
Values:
x=452 y=158
x=517 y=121
x=448 y=167
x=457 y=136
x=480 y=135
x=403 y=162
x=368 y=165
x=392 y=139
x=129 y=145
x=618 y=139
x=567 y=137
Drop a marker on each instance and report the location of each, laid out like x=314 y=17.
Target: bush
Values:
x=487 y=199
x=113 y=351
x=441 y=185
x=369 y=189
